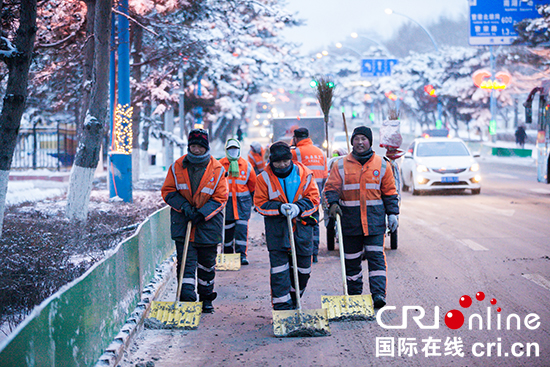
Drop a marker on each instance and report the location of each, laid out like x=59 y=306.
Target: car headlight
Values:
x=421 y=168
x=474 y=167
x=255 y=122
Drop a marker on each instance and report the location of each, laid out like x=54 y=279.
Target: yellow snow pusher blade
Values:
x=346 y=307
x=299 y=323
x=228 y=261
x=176 y=315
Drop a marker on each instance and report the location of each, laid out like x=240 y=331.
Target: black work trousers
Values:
x=283 y=293
x=376 y=259
x=201 y=260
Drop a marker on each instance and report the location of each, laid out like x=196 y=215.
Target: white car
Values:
x=440 y=163
x=339 y=141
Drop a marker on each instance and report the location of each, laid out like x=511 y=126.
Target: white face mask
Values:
x=233 y=152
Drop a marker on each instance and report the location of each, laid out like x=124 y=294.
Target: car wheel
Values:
x=393 y=240
x=476 y=191
x=414 y=191
x=404 y=187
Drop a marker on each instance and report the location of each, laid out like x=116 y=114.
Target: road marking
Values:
x=473 y=245
x=541 y=191
x=490 y=210
x=503 y=175
x=538 y=279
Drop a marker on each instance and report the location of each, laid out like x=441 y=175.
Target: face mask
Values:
x=233 y=153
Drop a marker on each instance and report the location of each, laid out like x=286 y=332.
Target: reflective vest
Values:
x=270 y=195
x=313 y=158
x=257 y=160
x=209 y=198
x=268 y=188
x=366 y=193
x=239 y=204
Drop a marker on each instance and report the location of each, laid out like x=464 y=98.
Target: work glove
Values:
x=189 y=212
x=197 y=218
x=393 y=222
x=291 y=210
x=333 y=210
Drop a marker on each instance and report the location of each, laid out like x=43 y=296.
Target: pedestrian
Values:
x=256 y=157
x=239 y=134
x=361 y=188
x=314 y=159
x=286 y=188
x=241 y=183
x=196 y=190
x=520 y=136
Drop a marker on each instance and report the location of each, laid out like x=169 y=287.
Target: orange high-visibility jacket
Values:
x=209 y=199
x=241 y=190
x=365 y=193
x=257 y=160
x=313 y=158
x=270 y=196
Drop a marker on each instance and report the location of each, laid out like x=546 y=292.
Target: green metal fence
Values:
x=75 y=325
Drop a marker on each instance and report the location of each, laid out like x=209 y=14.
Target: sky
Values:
x=331 y=21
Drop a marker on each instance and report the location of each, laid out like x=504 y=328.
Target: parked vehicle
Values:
x=439 y=164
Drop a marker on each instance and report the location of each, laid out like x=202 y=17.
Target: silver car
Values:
x=438 y=164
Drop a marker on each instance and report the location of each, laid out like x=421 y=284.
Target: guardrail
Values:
x=75 y=325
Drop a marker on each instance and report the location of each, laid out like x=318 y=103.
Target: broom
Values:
x=325 y=93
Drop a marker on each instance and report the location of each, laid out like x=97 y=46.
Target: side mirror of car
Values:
x=477 y=155
x=408 y=155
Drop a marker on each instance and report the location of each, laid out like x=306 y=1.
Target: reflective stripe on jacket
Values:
x=313 y=158
x=209 y=199
x=269 y=196
x=241 y=189
x=257 y=160
x=366 y=193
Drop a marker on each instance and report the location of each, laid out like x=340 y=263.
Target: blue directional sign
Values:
x=377 y=67
x=492 y=21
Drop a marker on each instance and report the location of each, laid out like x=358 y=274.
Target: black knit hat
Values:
x=279 y=151
x=301 y=132
x=198 y=136
x=362 y=130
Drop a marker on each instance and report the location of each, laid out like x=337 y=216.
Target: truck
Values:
x=283 y=129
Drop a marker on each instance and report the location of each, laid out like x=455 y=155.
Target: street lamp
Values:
x=389 y=12
x=355 y=35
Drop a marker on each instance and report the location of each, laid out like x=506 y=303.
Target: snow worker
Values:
x=286 y=188
x=361 y=188
x=241 y=183
x=331 y=222
x=314 y=159
x=196 y=190
x=256 y=157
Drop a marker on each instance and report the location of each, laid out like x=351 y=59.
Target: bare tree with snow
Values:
x=89 y=147
x=18 y=56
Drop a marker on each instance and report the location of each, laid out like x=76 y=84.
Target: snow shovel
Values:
x=299 y=323
x=346 y=307
x=227 y=261
x=176 y=315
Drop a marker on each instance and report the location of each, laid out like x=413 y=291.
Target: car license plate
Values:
x=449 y=179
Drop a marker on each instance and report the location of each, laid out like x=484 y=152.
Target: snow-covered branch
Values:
x=11 y=49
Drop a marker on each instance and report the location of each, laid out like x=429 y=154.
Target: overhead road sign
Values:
x=377 y=67
x=492 y=21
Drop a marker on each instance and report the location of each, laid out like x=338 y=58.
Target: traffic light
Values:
x=391 y=96
x=430 y=90
x=330 y=84
x=314 y=83
x=371 y=116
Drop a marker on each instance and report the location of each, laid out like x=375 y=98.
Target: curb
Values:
x=134 y=324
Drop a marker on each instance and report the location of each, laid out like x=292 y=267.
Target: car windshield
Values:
x=339 y=138
x=441 y=149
